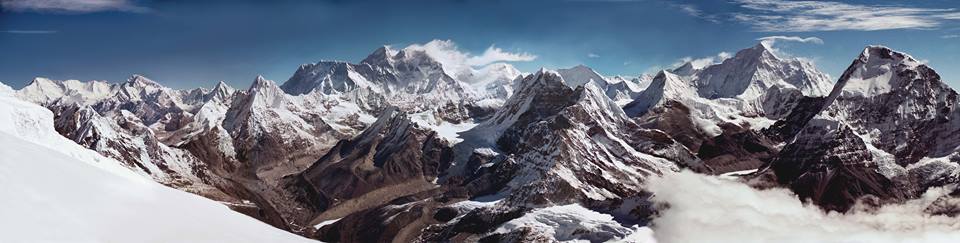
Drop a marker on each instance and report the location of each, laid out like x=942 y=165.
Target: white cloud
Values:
x=702 y=62
x=804 y=16
x=773 y=39
x=71 y=6
x=494 y=54
x=461 y=64
x=592 y=55
x=724 y=55
x=950 y=36
x=694 y=11
x=723 y=210
x=34 y=32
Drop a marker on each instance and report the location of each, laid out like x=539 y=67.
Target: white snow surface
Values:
x=574 y=223
x=55 y=193
x=446 y=130
x=873 y=73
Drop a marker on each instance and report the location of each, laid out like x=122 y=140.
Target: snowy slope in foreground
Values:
x=53 y=196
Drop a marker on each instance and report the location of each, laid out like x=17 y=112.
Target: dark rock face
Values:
x=790 y=125
x=736 y=149
x=834 y=172
x=553 y=129
x=474 y=222
x=394 y=157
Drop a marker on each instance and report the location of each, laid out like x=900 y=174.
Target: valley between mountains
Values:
x=399 y=147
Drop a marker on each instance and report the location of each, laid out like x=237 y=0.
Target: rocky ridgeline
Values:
x=398 y=147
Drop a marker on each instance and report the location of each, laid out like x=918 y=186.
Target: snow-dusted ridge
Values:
x=89 y=198
x=422 y=146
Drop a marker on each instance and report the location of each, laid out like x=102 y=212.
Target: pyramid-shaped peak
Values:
x=686 y=69
x=42 y=81
x=381 y=56
x=875 y=53
x=220 y=84
x=581 y=67
x=140 y=80
x=260 y=83
x=222 y=87
x=760 y=50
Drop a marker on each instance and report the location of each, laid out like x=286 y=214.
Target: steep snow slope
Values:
x=56 y=193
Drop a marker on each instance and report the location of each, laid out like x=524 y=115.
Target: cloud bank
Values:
x=805 y=16
x=773 y=39
x=702 y=62
x=709 y=209
x=71 y=6
x=462 y=63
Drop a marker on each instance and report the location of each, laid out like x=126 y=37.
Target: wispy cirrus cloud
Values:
x=773 y=39
x=29 y=32
x=71 y=6
x=806 y=16
x=695 y=11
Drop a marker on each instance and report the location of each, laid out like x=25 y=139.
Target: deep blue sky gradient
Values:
x=186 y=44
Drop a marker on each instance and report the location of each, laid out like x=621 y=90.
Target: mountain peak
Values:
x=221 y=85
x=260 y=83
x=580 y=75
x=220 y=91
x=879 y=53
x=382 y=56
x=43 y=82
x=141 y=81
x=879 y=70
x=685 y=69
x=664 y=86
x=758 y=51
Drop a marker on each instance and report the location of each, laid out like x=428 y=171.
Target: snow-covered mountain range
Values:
x=401 y=147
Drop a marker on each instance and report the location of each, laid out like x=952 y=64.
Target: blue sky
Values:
x=187 y=44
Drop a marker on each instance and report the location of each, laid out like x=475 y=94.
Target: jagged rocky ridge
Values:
x=719 y=111
x=365 y=152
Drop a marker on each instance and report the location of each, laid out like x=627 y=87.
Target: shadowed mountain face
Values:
x=888 y=129
x=719 y=111
x=392 y=158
